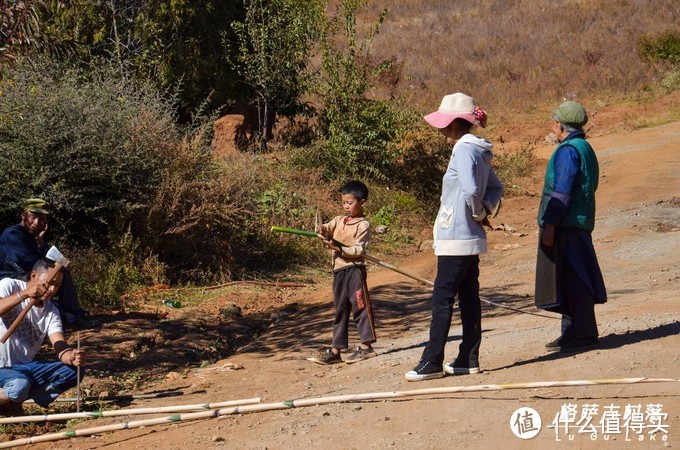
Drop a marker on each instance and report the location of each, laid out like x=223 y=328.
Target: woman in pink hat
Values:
x=470 y=191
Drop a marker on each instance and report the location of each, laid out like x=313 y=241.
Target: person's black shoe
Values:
x=12 y=409
x=579 y=345
x=460 y=368
x=554 y=346
x=82 y=322
x=426 y=370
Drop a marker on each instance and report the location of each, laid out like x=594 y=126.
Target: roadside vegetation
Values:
x=106 y=111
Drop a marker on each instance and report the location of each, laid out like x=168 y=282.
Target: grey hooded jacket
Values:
x=470 y=190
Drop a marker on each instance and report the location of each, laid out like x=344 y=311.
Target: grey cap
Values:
x=571 y=113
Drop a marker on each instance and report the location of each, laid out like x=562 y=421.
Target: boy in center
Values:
x=348 y=237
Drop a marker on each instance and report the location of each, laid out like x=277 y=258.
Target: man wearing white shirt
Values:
x=22 y=378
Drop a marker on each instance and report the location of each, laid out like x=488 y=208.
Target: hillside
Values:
x=517 y=56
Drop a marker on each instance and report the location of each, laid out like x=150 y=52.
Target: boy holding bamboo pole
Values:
x=348 y=235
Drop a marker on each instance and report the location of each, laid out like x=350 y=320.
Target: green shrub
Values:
x=420 y=169
x=358 y=136
x=282 y=201
x=385 y=216
x=400 y=212
x=103 y=276
x=115 y=165
x=91 y=145
x=512 y=166
x=664 y=47
x=671 y=81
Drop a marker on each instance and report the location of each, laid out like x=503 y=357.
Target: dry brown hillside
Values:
x=516 y=55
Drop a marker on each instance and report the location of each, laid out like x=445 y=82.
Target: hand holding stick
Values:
x=17 y=321
x=59 y=262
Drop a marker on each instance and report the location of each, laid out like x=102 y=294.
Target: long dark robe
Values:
x=572 y=246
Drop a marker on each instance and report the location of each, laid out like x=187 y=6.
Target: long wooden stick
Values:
x=320 y=401
x=398 y=270
x=431 y=283
x=405 y=273
x=78 y=380
x=128 y=412
x=17 y=321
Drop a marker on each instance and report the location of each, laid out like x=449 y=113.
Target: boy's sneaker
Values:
x=456 y=368
x=327 y=357
x=426 y=370
x=360 y=354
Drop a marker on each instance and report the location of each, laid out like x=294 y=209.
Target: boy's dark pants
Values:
x=350 y=294
x=456 y=274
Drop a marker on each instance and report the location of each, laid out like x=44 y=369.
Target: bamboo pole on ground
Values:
x=321 y=401
x=128 y=412
x=437 y=391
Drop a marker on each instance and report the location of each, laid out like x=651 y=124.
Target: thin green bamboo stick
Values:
x=295 y=231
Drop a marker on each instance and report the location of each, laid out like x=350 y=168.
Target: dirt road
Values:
x=637 y=238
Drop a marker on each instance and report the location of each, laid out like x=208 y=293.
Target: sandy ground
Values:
x=637 y=238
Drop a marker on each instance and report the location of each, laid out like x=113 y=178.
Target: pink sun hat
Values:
x=457 y=106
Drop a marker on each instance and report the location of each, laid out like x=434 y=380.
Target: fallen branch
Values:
x=320 y=401
x=113 y=398
x=128 y=412
x=254 y=283
x=165 y=287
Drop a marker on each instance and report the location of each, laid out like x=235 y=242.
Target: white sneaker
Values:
x=455 y=370
x=425 y=370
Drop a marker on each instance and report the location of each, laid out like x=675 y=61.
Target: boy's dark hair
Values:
x=356 y=188
x=43 y=265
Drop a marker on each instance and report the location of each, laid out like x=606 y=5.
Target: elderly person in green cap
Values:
x=23 y=244
x=568 y=276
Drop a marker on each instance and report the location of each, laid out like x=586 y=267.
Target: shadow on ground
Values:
x=141 y=345
x=149 y=346
x=609 y=342
x=398 y=308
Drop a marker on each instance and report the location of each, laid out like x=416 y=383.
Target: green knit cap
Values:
x=571 y=113
x=36 y=205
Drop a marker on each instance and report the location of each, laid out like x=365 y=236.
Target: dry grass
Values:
x=519 y=55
